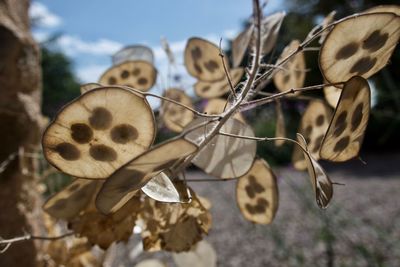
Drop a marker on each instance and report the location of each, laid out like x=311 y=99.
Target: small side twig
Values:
x=8 y=242
x=228 y=77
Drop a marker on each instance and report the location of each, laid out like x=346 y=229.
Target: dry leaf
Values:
x=352 y=48
x=257 y=193
x=280 y=130
x=133 y=53
x=174 y=227
x=140 y=75
x=220 y=87
x=202 y=60
x=224 y=156
x=347 y=128
x=293 y=74
x=174 y=116
x=126 y=181
x=313 y=126
x=69 y=202
x=216 y=106
x=320 y=181
x=98 y=132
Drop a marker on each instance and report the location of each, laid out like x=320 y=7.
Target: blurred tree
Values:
x=20 y=124
x=59 y=83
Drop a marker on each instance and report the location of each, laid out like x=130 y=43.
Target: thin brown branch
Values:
x=228 y=77
x=8 y=242
x=268 y=99
x=247 y=87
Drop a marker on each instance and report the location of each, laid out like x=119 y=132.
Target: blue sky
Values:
x=95 y=29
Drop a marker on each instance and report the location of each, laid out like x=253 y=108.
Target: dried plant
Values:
x=105 y=137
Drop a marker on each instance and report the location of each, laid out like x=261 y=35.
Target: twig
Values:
x=290 y=97
x=268 y=99
x=8 y=242
x=247 y=87
x=8 y=160
x=228 y=77
x=180 y=104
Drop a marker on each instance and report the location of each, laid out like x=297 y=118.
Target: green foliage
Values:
x=59 y=83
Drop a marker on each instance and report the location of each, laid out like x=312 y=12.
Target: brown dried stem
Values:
x=8 y=242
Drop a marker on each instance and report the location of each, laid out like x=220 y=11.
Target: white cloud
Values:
x=73 y=45
x=90 y=73
x=44 y=16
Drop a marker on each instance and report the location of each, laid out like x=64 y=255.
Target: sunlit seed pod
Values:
x=270 y=27
x=224 y=156
x=98 y=132
x=89 y=86
x=176 y=227
x=218 y=88
x=140 y=75
x=202 y=60
x=257 y=193
x=280 y=128
x=240 y=45
x=320 y=181
x=124 y=183
x=352 y=49
x=216 y=106
x=294 y=70
x=347 y=128
x=327 y=20
x=133 y=53
x=384 y=9
x=313 y=126
x=176 y=117
x=332 y=94
x=201 y=255
x=162 y=189
x=70 y=201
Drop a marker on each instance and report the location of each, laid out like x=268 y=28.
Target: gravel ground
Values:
x=361 y=227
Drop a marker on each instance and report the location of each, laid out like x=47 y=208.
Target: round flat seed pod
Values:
x=218 y=88
x=293 y=74
x=270 y=27
x=383 y=9
x=162 y=189
x=240 y=45
x=176 y=117
x=140 y=75
x=202 y=60
x=332 y=95
x=280 y=129
x=98 y=132
x=327 y=20
x=133 y=53
x=347 y=128
x=320 y=181
x=313 y=126
x=89 y=86
x=123 y=184
x=224 y=156
x=257 y=193
x=70 y=201
x=216 y=106
x=352 y=49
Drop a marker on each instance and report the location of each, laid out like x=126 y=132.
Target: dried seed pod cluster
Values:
x=106 y=135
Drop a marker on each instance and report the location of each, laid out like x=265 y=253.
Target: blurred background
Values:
x=362 y=225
